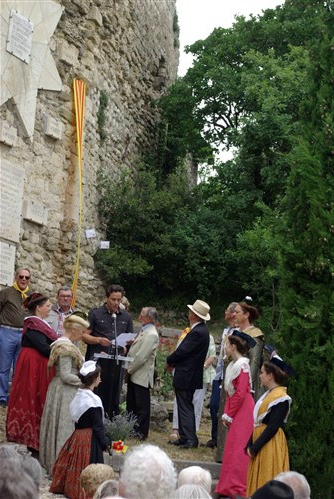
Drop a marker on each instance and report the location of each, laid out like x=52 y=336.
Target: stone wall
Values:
x=126 y=49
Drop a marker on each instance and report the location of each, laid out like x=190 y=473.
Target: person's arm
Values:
x=95 y=340
x=130 y=328
x=233 y=403
x=65 y=374
x=191 y=343
x=211 y=355
x=98 y=427
x=39 y=341
x=255 y=359
x=148 y=345
x=276 y=419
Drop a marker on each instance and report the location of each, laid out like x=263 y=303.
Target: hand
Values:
x=104 y=342
x=249 y=452
x=226 y=423
x=129 y=343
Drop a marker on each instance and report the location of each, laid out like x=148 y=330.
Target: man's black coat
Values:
x=189 y=357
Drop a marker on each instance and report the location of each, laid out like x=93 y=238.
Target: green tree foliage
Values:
x=263 y=222
x=139 y=216
x=307 y=291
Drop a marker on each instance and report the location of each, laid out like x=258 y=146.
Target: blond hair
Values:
x=75 y=321
x=93 y=476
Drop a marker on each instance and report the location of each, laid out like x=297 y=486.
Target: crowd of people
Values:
x=59 y=400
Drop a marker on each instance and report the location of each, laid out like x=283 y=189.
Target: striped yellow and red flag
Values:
x=79 y=89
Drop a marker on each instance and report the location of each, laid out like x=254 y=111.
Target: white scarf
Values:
x=233 y=370
x=84 y=399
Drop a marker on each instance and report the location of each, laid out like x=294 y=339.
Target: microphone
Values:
x=115 y=332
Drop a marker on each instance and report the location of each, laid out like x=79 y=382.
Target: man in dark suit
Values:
x=188 y=362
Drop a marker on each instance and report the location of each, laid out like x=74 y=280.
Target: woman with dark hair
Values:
x=31 y=379
x=245 y=316
x=57 y=425
x=87 y=443
x=237 y=417
x=267 y=447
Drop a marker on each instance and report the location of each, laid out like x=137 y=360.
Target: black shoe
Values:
x=189 y=445
x=3 y=403
x=176 y=442
x=211 y=444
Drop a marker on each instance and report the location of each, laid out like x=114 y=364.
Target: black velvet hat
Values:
x=283 y=366
x=272 y=490
x=248 y=339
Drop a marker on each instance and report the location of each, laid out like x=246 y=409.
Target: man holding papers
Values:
x=141 y=371
x=106 y=324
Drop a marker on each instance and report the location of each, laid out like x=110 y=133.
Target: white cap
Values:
x=88 y=367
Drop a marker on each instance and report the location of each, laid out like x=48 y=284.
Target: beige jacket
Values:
x=143 y=351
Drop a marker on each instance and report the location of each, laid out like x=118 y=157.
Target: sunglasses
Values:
x=24 y=277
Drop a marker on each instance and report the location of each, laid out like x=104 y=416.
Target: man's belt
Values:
x=11 y=327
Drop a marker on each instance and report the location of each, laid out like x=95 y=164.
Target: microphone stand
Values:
x=116 y=345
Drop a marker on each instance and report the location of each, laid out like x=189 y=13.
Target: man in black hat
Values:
x=188 y=361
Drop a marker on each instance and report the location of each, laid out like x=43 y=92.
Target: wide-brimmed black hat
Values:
x=272 y=490
x=248 y=339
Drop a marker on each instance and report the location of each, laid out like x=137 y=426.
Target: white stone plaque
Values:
x=20 y=33
x=11 y=193
x=7 y=262
x=90 y=233
x=104 y=244
x=34 y=212
x=8 y=134
x=53 y=128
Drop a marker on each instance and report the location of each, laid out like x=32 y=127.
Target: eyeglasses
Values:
x=27 y=277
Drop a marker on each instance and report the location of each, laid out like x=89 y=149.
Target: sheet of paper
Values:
x=123 y=338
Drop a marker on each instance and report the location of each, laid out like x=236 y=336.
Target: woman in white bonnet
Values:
x=89 y=440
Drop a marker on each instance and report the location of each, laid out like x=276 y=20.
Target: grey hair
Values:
x=32 y=467
x=151 y=462
x=152 y=313
x=297 y=482
x=195 y=475
x=14 y=480
x=191 y=491
x=232 y=306
x=29 y=464
x=64 y=288
x=9 y=451
x=107 y=488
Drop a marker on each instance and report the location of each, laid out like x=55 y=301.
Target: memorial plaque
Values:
x=7 y=262
x=53 y=128
x=8 y=134
x=33 y=212
x=11 y=193
x=20 y=36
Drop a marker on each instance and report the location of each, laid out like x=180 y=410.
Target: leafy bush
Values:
x=163 y=385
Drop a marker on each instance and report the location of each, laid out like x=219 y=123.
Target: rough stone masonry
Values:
x=125 y=49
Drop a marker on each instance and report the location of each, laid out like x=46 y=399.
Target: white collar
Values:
x=84 y=399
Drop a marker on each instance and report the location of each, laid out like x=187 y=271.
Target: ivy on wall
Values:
x=102 y=115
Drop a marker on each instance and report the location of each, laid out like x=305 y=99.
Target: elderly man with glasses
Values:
x=12 y=315
x=60 y=310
